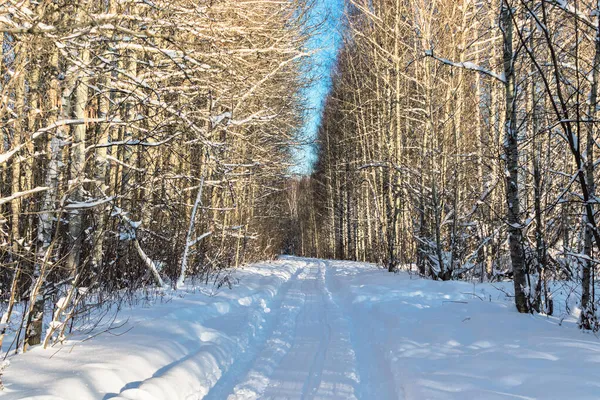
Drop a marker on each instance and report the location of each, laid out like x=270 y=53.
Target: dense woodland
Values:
x=142 y=142
x=460 y=139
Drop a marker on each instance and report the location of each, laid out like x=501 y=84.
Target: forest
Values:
x=149 y=143
x=267 y=199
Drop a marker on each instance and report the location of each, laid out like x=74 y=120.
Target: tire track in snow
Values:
x=313 y=381
x=318 y=361
x=341 y=358
x=376 y=380
x=259 y=361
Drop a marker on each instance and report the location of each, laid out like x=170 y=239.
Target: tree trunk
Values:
x=511 y=152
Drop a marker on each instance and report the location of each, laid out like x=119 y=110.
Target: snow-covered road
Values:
x=315 y=329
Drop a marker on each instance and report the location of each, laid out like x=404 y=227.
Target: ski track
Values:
x=308 y=354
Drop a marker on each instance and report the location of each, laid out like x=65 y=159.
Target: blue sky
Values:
x=327 y=42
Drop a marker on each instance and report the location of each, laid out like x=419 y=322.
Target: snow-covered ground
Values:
x=315 y=329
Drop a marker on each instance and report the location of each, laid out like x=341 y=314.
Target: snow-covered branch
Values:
x=18 y=195
x=467 y=65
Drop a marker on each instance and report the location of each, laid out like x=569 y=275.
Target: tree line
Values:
x=142 y=142
x=460 y=139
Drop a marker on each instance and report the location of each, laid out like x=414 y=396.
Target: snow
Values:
x=216 y=120
x=89 y=203
x=455 y=340
x=467 y=65
x=316 y=329
x=16 y=195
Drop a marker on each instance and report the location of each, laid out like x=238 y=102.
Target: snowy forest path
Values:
x=300 y=328
x=308 y=354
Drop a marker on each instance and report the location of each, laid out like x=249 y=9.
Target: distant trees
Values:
x=459 y=137
x=141 y=141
